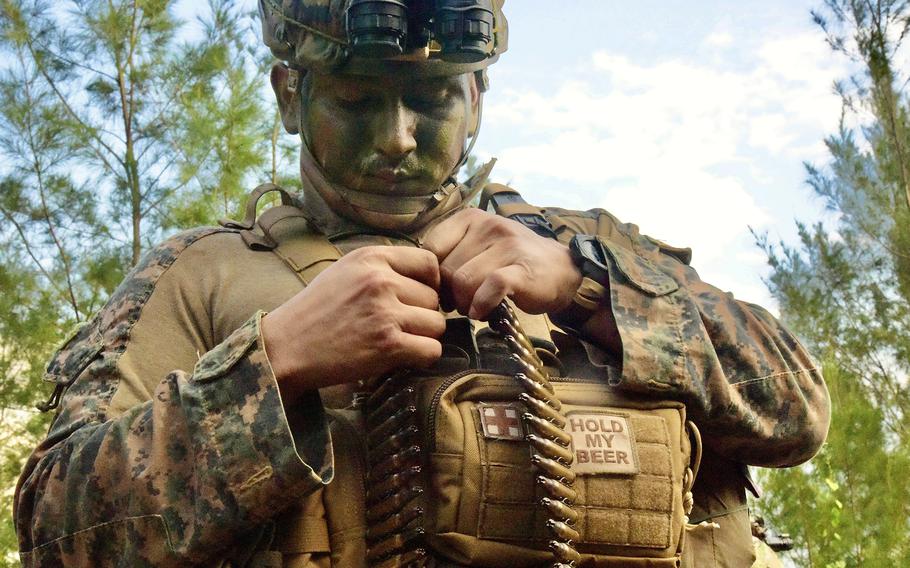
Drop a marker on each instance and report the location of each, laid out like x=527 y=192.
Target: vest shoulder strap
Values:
x=285 y=231
x=507 y=202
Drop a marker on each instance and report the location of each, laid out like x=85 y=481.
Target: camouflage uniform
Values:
x=171 y=446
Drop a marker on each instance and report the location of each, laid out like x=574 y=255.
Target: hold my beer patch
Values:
x=602 y=443
x=501 y=421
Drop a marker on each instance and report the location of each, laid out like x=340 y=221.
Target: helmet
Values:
x=421 y=38
x=370 y=37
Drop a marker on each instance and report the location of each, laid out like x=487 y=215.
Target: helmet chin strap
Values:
x=400 y=213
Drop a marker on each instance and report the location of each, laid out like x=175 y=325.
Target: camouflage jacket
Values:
x=171 y=446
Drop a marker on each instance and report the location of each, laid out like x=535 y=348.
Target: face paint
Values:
x=385 y=144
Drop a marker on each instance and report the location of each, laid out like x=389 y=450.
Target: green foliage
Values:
x=846 y=290
x=117 y=123
x=850 y=504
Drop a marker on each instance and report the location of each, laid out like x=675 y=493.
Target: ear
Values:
x=473 y=123
x=286 y=85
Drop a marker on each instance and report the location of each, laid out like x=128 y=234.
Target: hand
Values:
x=373 y=311
x=485 y=258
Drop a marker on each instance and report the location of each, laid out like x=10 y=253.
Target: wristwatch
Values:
x=590 y=256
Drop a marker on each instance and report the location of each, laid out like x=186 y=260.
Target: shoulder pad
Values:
x=682 y=254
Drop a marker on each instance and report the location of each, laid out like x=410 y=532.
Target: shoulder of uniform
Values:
x=138 y=285
x=160 y=257
x=644 y=245
x=604 y=224
x=508 y=202
x=109 y=329
x=682 y=254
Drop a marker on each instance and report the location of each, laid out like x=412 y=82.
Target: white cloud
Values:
x=706 y=212
x=678 y=146
x=718 y=39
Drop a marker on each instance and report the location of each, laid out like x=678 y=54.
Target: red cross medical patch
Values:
x=501 y=421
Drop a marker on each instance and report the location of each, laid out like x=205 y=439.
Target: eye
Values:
x=352 y=100
x=428 y=99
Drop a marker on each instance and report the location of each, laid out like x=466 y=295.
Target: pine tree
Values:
x=113 y=131
x=845 y=288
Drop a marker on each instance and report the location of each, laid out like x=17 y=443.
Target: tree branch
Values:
x=72 y=113
x=28 y=249
x=39 y=175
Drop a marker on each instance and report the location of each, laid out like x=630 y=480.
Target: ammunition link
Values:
x=394 y=490
x=551 y=446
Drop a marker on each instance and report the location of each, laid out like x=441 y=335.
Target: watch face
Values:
x=589 y=251
x=591 y=257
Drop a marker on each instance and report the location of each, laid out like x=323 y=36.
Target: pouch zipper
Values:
x=576 y=380
x=440 y=390
x=437 y=396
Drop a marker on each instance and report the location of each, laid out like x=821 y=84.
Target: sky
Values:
x=691 y=120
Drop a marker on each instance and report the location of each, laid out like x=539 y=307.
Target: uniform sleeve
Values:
x=172 y=480
x=755 y=393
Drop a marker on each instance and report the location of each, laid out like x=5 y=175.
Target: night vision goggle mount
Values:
x=461 y=29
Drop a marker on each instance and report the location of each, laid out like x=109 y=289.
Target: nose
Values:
x=394 y=132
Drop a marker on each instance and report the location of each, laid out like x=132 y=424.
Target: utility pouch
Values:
x=451 y=473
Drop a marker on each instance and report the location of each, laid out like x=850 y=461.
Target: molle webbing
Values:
x=285 y=231
x=398 y=478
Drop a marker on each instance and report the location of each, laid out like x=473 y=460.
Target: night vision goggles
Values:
x=382 y=37
x=460 y=30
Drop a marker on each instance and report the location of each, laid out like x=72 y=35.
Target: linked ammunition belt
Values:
x=395 y=494
x=394 y=490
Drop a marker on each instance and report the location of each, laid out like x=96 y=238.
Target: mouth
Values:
x=391 y=175
x=391 y=181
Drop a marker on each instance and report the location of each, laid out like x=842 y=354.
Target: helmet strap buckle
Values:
x=293 y=80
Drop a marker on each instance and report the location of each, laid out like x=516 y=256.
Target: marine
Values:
x=332 y=382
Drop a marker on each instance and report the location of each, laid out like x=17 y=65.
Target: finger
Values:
x=422 y=322
x=464 y=253
x=446 y=299
x=414 y=293
x=446 y=236
x=465 y=281
x=415 y=263
x=418 y=351
x=495 y=288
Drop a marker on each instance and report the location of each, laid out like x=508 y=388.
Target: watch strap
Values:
x=587 y=300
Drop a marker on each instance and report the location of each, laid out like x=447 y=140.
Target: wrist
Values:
x=290 y=384
x=590 y=261
x=587 y=301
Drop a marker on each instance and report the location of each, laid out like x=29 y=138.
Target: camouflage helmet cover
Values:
x=312 y=35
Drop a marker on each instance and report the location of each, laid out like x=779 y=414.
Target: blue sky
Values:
x=691 y=120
